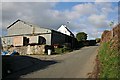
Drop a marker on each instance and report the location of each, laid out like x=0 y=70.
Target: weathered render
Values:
x=19 y=28
x=23 y=29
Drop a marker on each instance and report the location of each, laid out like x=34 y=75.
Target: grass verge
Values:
x=109 y=61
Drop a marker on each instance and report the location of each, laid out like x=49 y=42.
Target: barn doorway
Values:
x=42 y=40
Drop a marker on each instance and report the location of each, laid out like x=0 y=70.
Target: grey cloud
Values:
x=43 y=14
x=23 y=10
x=38 y=13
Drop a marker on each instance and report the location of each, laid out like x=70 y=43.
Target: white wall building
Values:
x=64 y=29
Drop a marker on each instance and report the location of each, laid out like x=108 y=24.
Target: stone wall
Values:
x=37 y=49
x=21 y=50
x=116 y=38
x=26 y=50
x=106 y=36
x=112 y=36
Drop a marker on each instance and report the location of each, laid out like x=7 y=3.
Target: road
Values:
x=76 y=64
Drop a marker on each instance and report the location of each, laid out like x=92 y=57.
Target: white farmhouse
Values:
x=64 y=29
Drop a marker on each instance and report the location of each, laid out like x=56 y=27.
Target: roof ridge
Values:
x=28 y=23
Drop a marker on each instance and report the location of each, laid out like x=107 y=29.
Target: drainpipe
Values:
x=33 y=31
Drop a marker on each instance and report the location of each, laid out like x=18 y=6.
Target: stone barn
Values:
x=21 y=33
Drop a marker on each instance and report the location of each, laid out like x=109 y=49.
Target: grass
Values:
x=109 y=60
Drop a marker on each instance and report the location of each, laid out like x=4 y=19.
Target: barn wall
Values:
x=35 y=39
x=18 y=41
x=57 y=38
x=20 y=28
x=7 y=41
x=47 y=37
x=41 y=30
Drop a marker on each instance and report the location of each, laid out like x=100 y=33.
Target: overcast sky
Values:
x=90 y=17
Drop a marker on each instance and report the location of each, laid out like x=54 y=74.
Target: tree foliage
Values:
x=97 y=40
x=81 y=36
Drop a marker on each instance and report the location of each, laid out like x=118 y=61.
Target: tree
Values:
x=97 y=40
x=81 y=36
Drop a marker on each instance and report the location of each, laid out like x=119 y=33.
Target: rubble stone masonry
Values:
x=112 y=36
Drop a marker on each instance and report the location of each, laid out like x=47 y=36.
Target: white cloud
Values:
x=101 y=0
x=106 y=0
x=32 y=12
x=87 y=8
x=86 y=17
x=59 y=0
x=81 y=10
x=98 y=20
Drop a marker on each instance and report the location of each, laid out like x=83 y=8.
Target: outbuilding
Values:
x=21 y=33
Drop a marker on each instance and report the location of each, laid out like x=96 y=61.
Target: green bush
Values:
x=109 y=60
x=61 y=50
x=58 y=50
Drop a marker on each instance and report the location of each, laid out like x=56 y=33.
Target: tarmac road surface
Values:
x=76 y=64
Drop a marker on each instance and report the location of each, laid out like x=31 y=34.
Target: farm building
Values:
x=64 y=29
x=22 y=33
